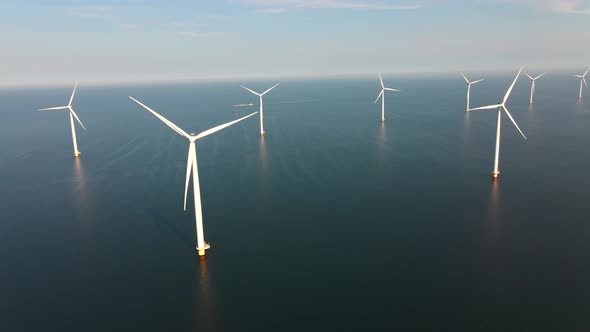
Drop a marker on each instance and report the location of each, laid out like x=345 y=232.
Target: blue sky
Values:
x=53 y=42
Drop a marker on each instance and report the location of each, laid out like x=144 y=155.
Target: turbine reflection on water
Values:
x=82 y=199
x=263 y=170
x=204 y=312
x=381 y=146
x=494 y=213
x=467 y=141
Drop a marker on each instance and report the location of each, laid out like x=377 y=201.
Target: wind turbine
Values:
x=469 y=89
x=382 y=96
x=501 y=106
x=582 y=80
x=533 y=85
x=191 y=165
x=72 y=115
x=261 y=114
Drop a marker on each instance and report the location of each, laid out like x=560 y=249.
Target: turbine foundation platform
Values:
x=382 y=120
x=495 y=176
x=77 y=154
x=262 y=133
x=201 y=251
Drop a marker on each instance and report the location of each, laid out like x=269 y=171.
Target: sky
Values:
x=57 y=42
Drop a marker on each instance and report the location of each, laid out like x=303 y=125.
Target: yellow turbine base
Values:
x=261 y=133
x=201 y=251
x=77 y=154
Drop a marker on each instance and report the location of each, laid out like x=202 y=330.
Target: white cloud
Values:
x=91 y=11
x=558 y=6
x=337 y=4
x=197 y=21
x=272 y=11
x=572 y=7
x=194 y=34
x=178 y=24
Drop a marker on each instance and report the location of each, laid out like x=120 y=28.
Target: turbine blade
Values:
x=539 y=76
x=529 y=76
x=390 y=89
x=578 y=76
x=189 y=166
x=381 y=80
x=73 y=93
x=514 y=122
x=218 y=128
x=584 y=79
x=262 y=94
x=586 y=72
x=163 y=119
x=477 y=81
x=76 y=116
x=490 y=107
x=254 y=92
x=53 y=108
x=466 y=80
x=379 y=96
x=511 y=86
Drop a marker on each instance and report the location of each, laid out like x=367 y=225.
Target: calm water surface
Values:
x=332 y=221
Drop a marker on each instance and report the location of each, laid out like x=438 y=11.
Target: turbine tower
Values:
x=382 y=96
x=469 y=89
x=533 y=85
x=72 y=116
x=191 y=165
x=501 y=107
x=582 y=80
x=261 y=114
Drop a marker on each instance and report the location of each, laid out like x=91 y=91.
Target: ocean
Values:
x=332 y=221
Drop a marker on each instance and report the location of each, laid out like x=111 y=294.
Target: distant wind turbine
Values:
x=191 y=165
x=533 y=85
x=582 y=80
x=72 y=115
x=501 y=106
x=382 y=96
x=469 y=89
x=261 y=114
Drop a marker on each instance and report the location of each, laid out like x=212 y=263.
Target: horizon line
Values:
x=248 y=77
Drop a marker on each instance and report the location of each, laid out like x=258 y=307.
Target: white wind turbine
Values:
x=261 y=114
x=382 y=96
x=582 y=80
x=533 y=85
x=191 y=165
x=501 y=106
x=72 y=115
x=469 y=89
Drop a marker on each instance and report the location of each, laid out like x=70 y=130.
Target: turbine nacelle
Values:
x=502 y=104
x=261 y=103
x=470 y=82
x=534 y=78
x=68 y=107
x=383 y=88
x=260 y=94
x=583 y=76
x=72 y=116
